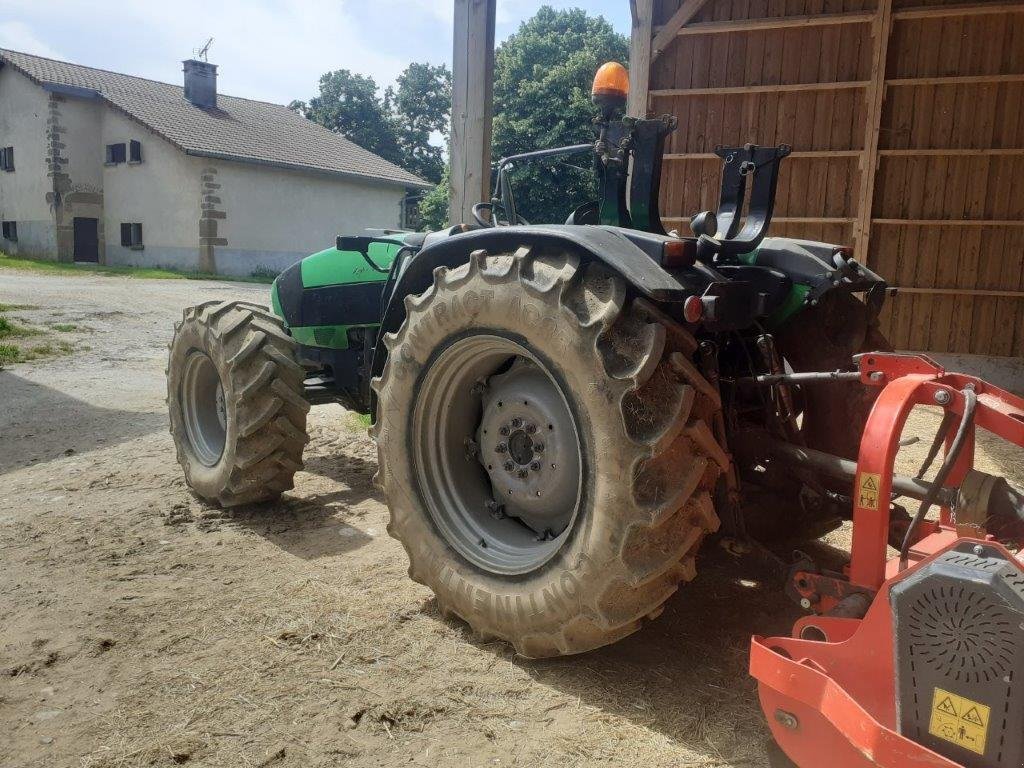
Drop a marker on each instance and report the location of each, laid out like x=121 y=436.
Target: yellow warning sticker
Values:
x=867 y=490
x=959 y=720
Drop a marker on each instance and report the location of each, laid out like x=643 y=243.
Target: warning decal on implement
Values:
x=867 y=490
x=960 y=721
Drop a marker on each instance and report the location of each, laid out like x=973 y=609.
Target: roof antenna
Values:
x=203 y=53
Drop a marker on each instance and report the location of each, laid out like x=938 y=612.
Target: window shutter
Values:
x=135 y=151
x=126 y=235
x=10 y=158
x=136 y=234
x=115 y=153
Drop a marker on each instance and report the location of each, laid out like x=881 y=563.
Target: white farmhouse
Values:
x=103 y=167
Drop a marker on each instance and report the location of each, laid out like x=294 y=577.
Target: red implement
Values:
x=829 y=691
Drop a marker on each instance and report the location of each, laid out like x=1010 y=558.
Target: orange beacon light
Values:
x=611 y=87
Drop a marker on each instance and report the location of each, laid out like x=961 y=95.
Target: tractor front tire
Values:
x=235 y=398
x=545 y=451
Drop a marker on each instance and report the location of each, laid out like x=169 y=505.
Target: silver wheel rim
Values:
x=203 y=408
x=497 y=454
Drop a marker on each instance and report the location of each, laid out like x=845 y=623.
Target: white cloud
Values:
x=18 y=36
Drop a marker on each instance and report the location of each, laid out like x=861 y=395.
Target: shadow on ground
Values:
x=684 y=674
x=312 y=527
x=39 y=424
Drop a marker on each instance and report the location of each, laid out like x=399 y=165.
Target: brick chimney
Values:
x=201 y=83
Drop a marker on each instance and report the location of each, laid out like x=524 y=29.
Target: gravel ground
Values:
x=143 y=628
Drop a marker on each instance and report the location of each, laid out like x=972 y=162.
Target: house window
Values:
x=6 y=158
x=134 y=151
x=10 y=231
x=131 y=236
x=115 y=153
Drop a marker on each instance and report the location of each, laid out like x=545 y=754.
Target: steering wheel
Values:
x=493 y=222
x=488 y=222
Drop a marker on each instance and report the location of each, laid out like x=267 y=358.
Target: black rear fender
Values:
x=634 y=255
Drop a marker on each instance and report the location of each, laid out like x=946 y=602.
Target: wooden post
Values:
x=642 y=12
x=472 y=107
x=874 y=98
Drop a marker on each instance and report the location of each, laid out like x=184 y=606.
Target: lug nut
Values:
x=522 y=473
x=504 y=431
x=496 y=510
x=517 y=422
x=509 y=466
x=531 y=428
x=538 y=447
x=501 y=447
x=535 y=465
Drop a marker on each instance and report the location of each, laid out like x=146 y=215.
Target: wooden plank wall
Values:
x=917 y=161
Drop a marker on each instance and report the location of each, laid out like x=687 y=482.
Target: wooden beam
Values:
x=786 y=219
x=777 y=22
x=667 y=33
x=642 y=13
x=956 y=80
x=950 y=222
x=962 y=292
x=953 y=152
x=743 y=89
x=875 y=96
x=472 y=106
x=807 y=154
x=939 y=11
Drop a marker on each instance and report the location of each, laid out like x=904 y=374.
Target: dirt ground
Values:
x=139 y=627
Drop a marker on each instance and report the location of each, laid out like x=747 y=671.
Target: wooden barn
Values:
x=907 y=125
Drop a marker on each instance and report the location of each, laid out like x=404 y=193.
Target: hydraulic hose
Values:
x=966 y=422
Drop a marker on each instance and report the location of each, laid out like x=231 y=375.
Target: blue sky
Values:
x=274 y=50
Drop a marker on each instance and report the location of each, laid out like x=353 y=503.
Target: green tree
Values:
x=348 y=104
x=420 y=104
x=542 y=78
x=399 y=126
x=433 y=208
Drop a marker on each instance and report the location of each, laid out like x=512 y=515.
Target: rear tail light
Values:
x=678 y=253
x=693 y=309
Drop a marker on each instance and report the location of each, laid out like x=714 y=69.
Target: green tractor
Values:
x=562 y=412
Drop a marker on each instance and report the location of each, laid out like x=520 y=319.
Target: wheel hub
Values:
x=529 y=448
x=203 y=408
x=496 y=453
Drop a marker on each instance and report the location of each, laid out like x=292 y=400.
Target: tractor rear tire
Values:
x=235 y=397
x=632 y=427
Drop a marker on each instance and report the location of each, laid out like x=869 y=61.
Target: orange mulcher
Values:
x=915 y=660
